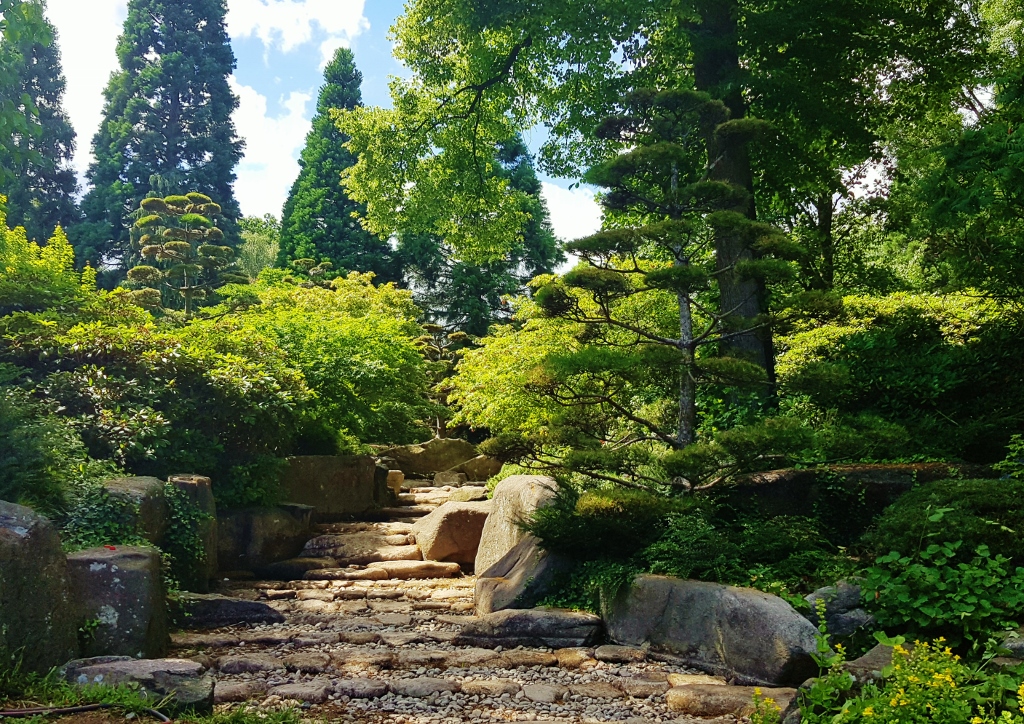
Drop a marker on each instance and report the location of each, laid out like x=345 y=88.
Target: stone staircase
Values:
x=375 y=637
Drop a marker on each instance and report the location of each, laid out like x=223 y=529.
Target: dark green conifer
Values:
x=41 y=186
x=318 y=222
x=166 y=125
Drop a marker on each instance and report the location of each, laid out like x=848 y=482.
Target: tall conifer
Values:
x=41 y=185
x=317 y=222
x=166 y=125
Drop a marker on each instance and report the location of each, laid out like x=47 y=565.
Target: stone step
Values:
x=407 y=511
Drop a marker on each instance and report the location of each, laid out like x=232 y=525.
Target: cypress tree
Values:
x=166 y=125
x=41 y=186
x=318 y=221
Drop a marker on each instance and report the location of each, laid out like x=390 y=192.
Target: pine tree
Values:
x=318 y=222
x=166 y=125
x=41 y=188
x=469 y=297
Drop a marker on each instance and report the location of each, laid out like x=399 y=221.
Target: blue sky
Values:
x=281 y=47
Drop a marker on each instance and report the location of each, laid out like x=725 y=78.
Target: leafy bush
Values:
x=931 y=593
x=34 y=278
x=941 y=367
x=42 y=457
x=925 y=683
x=602 y=524
x=978 y=512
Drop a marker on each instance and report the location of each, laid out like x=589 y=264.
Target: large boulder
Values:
x=749 y=634
x=520 y=579
x=121 y=593
x=38 y=620
x=515 y=499
x=479 y=469
x=535 y=627
x=212 y=610
x=147 y=498
x=336 y=486
x=452 y=532
x=431 y=457
x=187 y=683
x=251 y=538
x=198 y=491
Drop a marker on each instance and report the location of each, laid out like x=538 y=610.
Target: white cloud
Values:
x=88 y=37
x=574 y=212
x=271 y=148
x=287 y=24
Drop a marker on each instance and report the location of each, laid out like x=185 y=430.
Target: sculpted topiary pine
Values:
x=665 y=210
x=178 y=236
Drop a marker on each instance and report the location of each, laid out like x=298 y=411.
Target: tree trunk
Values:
x=826 y=215
x=717 y=72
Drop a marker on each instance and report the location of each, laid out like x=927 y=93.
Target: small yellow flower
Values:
x=870 y=711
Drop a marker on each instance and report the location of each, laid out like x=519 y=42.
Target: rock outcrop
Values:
x=335 y=486
x=724 y=629
x=433 y=456
x=38 y=619
x=515 y=499
x=251 y=538
x=120 y=592
x=148 y=501
x=198 y=490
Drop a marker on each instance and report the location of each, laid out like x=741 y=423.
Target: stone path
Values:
x=373 y=640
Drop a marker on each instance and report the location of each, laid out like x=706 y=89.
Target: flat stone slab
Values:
x=313 y=692
x=187 y=682
x=708 y=701
x=620 y=654
x=249 y=664
x=423 y=686
x=490 y=687
x=407 y=570
x=545 y=693
x=226 y=692
x=546 y=628
x=211 y=610
x=643 y=688
x=360 y=688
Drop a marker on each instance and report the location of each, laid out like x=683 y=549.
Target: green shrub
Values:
x=977 y=512
x=42 y=458
x=944 y=368
x=936 y=593
x=602 y=524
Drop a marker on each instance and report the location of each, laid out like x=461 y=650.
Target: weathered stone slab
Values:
x=520 y=579
x=251 y=538
x=211 y=610
x=551 y=628
x=186 y=682
x=121 y=590
x=37 y=615
x=336 y=486
x=709 y=701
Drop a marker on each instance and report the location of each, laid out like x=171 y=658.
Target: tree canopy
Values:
x=166 y=124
